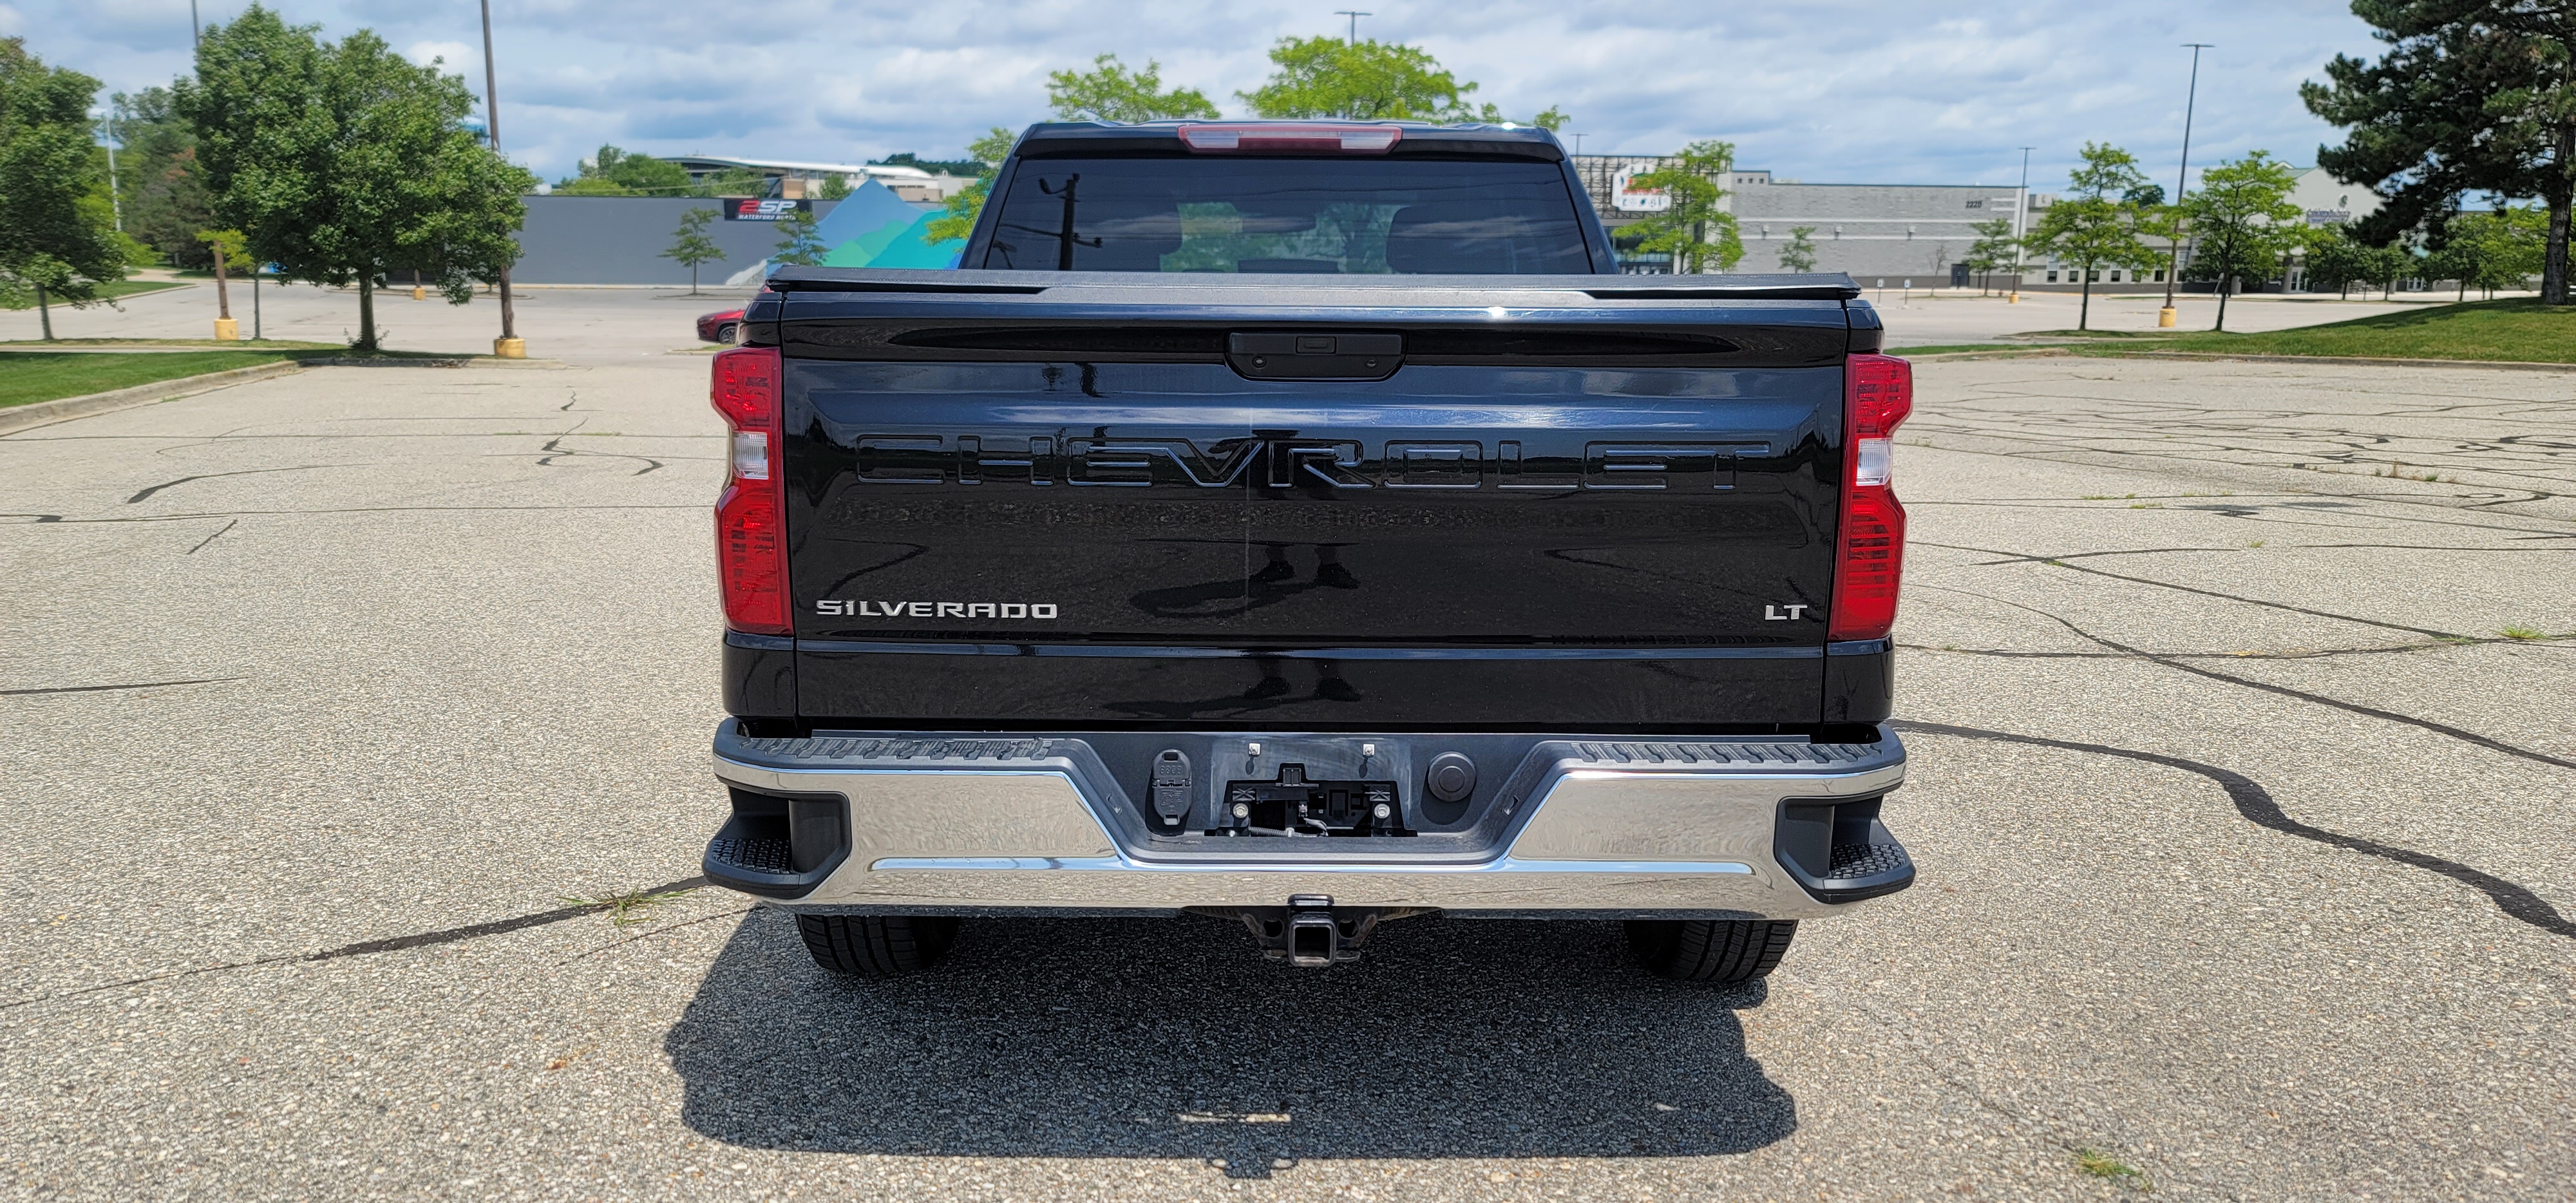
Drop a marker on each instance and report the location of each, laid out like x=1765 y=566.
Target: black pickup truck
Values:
x=1305 y=524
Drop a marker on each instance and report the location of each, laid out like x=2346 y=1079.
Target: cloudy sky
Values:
x=1885 y=91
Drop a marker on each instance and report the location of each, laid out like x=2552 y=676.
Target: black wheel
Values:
x=1710 y=950
x=877 y=945
x=724 y=334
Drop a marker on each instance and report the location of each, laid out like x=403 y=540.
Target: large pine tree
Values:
x=2472 y=96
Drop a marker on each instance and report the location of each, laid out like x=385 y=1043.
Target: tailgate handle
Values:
x=1303 y=355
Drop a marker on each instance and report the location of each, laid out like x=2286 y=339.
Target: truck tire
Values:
x=1710 y=950
x=877 y=945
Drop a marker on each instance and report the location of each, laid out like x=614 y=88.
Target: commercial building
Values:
x=793 y=181
x=1894 y=235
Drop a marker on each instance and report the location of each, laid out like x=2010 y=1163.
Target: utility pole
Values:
x=195 y=36
x=115 y=203
x=1355 y=22
x=509 y=345
x=2021 y=209
x=2182 y=183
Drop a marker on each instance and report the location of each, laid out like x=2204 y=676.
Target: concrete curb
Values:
x=46 y=413
x=2507 y=365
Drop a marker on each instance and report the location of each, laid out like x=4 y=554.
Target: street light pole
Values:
x=1355 y=22
x=115 y=203
x=2021 y=207
x=2182 y=183
x=509 y=345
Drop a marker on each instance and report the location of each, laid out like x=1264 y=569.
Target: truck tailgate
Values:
x=1543 y=503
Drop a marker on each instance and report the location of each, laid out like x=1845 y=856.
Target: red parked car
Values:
x=719 y=327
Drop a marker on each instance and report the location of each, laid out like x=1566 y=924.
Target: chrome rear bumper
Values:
x=1664 y=829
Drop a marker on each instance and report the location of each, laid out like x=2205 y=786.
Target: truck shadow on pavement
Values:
x=1173 y=1038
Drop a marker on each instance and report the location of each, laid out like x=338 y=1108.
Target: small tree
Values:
x=2092 y=227
x=2244 y=220
x=225 y=248
x=2337 y=260
x=957 y=215
x=797 y=241
x=691 y=246
x=2501 y=248
x=835 y=187
x=57 y=228
x=1692 y=228
x=1110 y=92
x=1992 y=251
x=1799 y=253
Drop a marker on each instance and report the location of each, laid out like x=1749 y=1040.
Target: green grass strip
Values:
x=27 y=377
x=108 y=291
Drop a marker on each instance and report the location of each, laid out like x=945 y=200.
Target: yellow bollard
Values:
x=419 y=293
x=2165 y=318
x=510 y=348
x=227 y=330
x=2012 y=298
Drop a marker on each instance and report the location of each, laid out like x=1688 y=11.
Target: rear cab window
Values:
x=1328 y=215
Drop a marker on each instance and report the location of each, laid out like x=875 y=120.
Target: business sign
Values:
x=753 y=208
x=1626 y=197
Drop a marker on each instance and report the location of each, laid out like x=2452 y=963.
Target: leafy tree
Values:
x=2337 y=260
x=2244 y=222
x=224 y=250
x=343 y=162
x=2501 y=248
x=1994 y=250
x=157 y=179
x=2089 y=227
x=1370 y=81
x=1800 y=253
x=956 y=220
x=1110 y=92
x=691 y=246
x=57 y=228
x=615 y=172
x=1693 y=229
x=2471 y=96
x=797 y=241
x=835 y=187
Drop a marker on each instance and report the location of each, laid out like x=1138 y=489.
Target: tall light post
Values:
x=1355 y=21
x=115 y=202
x=509 y=345
x=2021 y=206
x=2182 y=183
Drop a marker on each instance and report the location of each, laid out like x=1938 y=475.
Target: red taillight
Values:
x=1878 y=393
x=751 y=529
x=1289 y=138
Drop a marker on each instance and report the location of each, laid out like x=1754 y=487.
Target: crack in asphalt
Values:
x=201 y=543
x=2013 y=557
x=2267 y=687
x=2257 y=805
x=104 y=688
x=172 y=484
x=451 y=935
x=2318 y=654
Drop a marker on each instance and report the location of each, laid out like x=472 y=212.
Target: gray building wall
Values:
x=1893 y=232
x=1873 y=231
x=620 y=240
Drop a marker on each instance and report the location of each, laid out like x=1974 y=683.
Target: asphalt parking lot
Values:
x=2244 y=830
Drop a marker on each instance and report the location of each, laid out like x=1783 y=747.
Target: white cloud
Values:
x=1861 y=90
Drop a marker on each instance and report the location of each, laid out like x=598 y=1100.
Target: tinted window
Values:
x=1336 y=215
